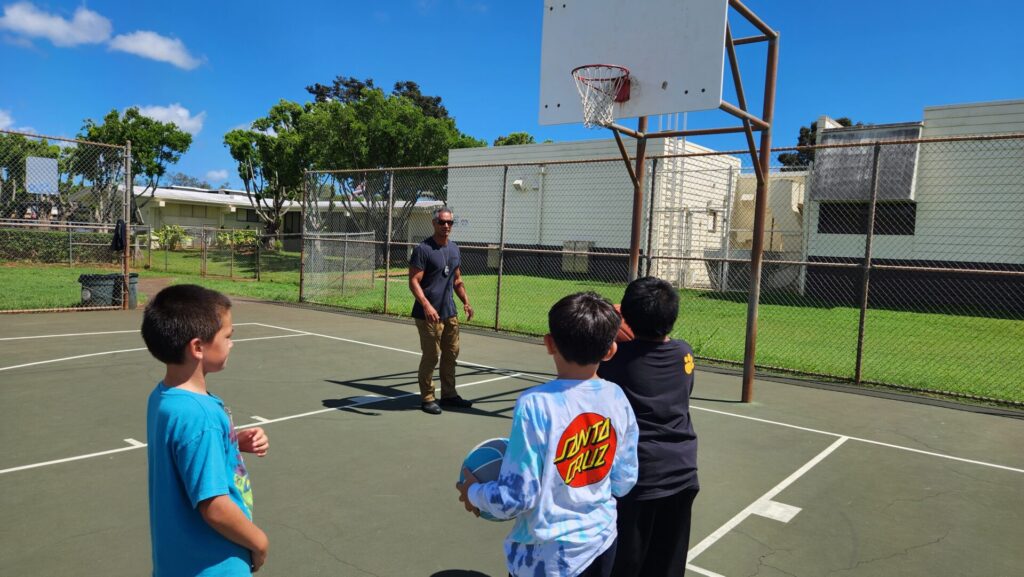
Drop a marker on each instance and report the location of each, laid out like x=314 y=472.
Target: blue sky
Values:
x=213 y=66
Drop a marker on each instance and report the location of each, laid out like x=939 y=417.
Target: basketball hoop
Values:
x=600 y=87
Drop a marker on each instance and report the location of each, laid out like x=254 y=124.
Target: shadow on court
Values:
x=390 y=392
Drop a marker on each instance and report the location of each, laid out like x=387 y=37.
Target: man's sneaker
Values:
x=431 y=408
x=456 y=401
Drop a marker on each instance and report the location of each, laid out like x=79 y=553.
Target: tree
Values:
x=271 y=161
x=374 y=131
x=514 y=138
x=182 y=179
x=155 y=145
x=348 y=89
x=808 y=137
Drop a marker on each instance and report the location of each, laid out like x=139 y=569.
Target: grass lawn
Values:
x=963 y=354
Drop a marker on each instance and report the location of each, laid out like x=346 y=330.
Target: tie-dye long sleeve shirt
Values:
x=573 y=445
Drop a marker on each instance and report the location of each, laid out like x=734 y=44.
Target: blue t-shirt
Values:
x=193 y=456
x=433 y=259
x=572 y=449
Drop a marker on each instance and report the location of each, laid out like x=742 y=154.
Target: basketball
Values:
x=625 y=333
x=484 y=461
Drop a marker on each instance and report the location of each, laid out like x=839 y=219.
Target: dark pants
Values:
x=654 y=535
x=600 y=567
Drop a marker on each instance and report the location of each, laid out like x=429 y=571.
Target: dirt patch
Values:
x=150 y=286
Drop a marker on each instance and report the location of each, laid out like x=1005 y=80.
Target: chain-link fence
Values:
x=60 y=243
x=214 y=252
x=892 y=263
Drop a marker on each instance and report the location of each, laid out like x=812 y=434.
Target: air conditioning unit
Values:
x=577 y=263
x=493 y=256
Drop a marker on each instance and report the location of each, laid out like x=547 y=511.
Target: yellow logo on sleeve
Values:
x=688 y=364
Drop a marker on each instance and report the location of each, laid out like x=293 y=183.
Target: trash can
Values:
x=133 y=281
x=105 y=290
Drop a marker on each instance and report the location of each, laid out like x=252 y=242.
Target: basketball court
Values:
x=358 y=482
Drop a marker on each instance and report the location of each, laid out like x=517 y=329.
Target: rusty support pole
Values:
x=625 y=156
x=760 y=205
x=638 y=201
x=734 y=65
x=866 y=283
x=695 y=132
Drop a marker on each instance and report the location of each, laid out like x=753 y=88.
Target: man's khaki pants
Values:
x=438 y=340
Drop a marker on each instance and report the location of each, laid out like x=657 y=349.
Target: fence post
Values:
x=501 y=249
x=126 y=217
x=71 y=259
x=650 y=212
x=727 y=230
x=231 y=254
x=302 y=234
x=387 y=239
x=866 y=284
x=344 y=265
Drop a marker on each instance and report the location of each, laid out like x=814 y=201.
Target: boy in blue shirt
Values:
x=200 y=501
x=572 y=448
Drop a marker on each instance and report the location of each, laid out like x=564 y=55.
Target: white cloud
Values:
x=156 y=47
x=7 y=123
x=177 y=114
x=85 y=27
x=217 y=176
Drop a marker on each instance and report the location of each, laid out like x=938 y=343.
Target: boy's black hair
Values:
x=650 y=307
x=583 y=326
x=178 y=314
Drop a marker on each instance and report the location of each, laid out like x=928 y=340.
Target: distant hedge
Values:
x=48 y=246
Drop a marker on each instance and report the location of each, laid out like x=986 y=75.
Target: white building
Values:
x=551 y=204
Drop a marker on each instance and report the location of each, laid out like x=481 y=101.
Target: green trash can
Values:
x=105 y=290
x=98 y=289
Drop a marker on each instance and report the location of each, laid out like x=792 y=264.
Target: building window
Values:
x=246 y=215
x=891 y=218
x=712 y=221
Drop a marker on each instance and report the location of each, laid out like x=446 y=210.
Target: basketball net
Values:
x=600 y=87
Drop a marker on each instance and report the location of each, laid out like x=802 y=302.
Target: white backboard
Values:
x=674 y=49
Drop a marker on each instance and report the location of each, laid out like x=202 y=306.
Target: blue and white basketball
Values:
x=485 y=463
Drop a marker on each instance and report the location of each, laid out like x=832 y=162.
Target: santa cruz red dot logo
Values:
x=586 y=450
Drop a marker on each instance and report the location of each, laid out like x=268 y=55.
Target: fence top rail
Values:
x=883 y=142
x=62 y=139
x=50 y=224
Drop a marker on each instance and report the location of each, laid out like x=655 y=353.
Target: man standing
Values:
x=434 y=274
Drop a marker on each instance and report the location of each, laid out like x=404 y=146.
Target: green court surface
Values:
x=358 y=482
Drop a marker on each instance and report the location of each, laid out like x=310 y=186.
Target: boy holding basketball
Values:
x=656 y=373
x=200 y=501
x=572 y=449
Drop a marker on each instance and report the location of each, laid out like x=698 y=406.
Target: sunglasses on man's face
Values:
x=445 y=222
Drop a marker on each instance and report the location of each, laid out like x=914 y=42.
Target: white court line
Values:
x=127 y=351
x=797 y=427
x=89 y=334
x=702 y=571
x=750 y=509
x=363 y=401
x=868 y=441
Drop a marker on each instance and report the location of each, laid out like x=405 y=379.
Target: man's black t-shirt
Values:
x=657 y=377
x=437 y=283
